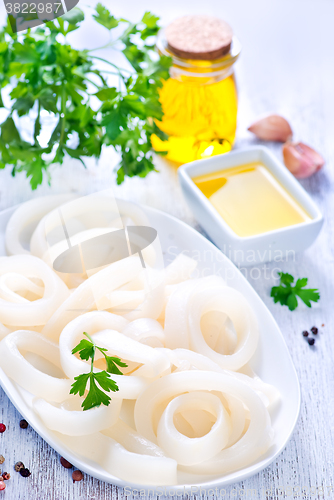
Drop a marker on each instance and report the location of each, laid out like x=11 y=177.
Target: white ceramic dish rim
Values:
x=286 y=178
x=13 y=393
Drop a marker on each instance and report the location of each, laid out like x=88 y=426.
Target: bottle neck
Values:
x=200 y=71
x=200 y=77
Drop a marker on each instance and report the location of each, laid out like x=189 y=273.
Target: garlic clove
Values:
x=272 y=128
x=301 y=160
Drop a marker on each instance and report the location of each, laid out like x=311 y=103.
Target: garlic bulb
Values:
x=272 y=128
x=301 y=160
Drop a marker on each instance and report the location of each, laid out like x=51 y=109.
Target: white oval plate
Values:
x=272 y=361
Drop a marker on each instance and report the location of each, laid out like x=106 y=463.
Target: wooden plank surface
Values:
x=286 y=67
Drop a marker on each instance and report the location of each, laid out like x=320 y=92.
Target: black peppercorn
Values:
x=314 y=330
x=305 y=333
x=311 y=341
x=25 y=472
x=23 y=424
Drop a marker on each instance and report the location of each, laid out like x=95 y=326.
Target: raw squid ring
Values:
x=146 y=330
x=71 y=209
x=24 y=373
x=153 y=302
x=248 y=448
x=232 y=303
x=26 y=215
x=180 y=269
x=77 y=422
x=90 y=323
x=92 y=293
x=10 y=283
x=177 y=310
x=4 y=331
x=39 y=244
x=23 y=312
x=186 y=359
x=187 y=450
x=135 y=468
x=105 y=330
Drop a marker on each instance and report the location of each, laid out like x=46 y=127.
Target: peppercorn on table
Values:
x=284 y=68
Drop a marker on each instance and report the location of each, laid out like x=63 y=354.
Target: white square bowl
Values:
x=250 y=250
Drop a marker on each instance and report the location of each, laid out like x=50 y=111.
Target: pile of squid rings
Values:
x=185 y=406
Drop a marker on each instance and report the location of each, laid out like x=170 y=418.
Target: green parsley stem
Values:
x=94 y=348
x=112 y=64
x=120 y=38
x=63 y=111
x=37 y=120
x=91 y=81
x=111 y=72
x=89 y=338
x=106 y=46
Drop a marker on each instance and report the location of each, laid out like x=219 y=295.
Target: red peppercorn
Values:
x=5 y=476
x=77 y=475
x=2 y=485
x=2 y=428
x=65 y=463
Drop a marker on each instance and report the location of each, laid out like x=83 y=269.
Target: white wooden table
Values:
x=287 y=67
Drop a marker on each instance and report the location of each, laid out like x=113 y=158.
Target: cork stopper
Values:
x=199 y=37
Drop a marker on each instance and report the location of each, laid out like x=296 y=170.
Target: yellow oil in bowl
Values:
x=251 y=200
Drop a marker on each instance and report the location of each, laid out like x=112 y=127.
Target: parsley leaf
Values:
x=73 y=16
x=96 y=395
x=86 y=349
x=286 y=294
x=79 y=386
x=104 y=17
x=111 y=365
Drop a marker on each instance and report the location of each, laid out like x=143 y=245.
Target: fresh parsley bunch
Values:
x=286 y=293
x=96 y=395
x=46 y=74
